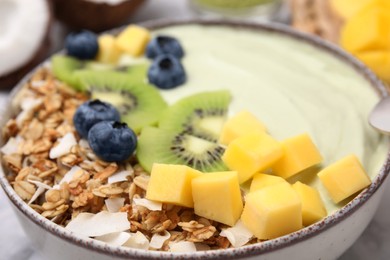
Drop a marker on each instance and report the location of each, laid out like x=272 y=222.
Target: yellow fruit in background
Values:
x=348 y=8
x=273 y=211
x=378 y=61
x=217 y=196
x=133 y=40
x=367 y=30
x=108 y=52
x=344 y=178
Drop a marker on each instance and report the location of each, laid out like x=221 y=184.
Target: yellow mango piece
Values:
x=299 y=153
x=252 y=153
x=262 y=180
x=133 y=40
x=171 y=183
x=217 y=196
x=378 y=61
x=367 y=30
x=241 y=124
x=108 y=52
x=348 y=8
x=273 y=211
x=344 y=178
x=313 y=208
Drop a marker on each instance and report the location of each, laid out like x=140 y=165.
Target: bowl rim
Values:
x=236 y=253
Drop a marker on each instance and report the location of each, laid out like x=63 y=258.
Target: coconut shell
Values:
x=97 y=17
x=9 y=81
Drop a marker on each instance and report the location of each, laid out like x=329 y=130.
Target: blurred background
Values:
x=362 y=27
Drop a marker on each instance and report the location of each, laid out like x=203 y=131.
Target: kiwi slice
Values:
x=157 y=145
x=201 y=115
x=138 y=103
x=65 y=66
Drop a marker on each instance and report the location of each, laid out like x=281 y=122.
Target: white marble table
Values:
x=374 y=244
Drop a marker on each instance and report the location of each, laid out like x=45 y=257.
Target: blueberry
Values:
x=92 y=112
x=83 y=45
x=164 y=45
x=166 y=72
x=112 y=141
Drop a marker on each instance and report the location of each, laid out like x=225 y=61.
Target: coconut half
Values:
x=95 y=15
x=24 y=37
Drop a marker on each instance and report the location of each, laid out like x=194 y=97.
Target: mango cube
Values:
x=108 y=52
x=378 y=61
x=252 y=153
x=171 y=183
x=348 y=8
x=313 y=208
x=299 y=153
x=217 y=196
x=241 y=124
x=133 y=40
x=262 y=180
x=273 y=211
x=344 y=178
x=367 y=30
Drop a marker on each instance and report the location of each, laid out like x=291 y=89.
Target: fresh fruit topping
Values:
x=163 y=44
x=112 y=141
x=201 y=115
x=217 y=196
x=348 y=8
x=262 y=180
x=171 y=183
x=313 y=208
x=299 y=153
x=108 y=51
x=133 y=40
x=92 y=112
x=169 y=147
x=344 y=178
x=239 y=125
x=82 y=45
x=166 y=72
x=139 y=104
x=273 y=211
x=63 y=68
x=252 y=153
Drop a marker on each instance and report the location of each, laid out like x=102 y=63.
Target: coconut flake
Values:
x=12 y=146
x=119 y=176
x=238 y=235
x=30 y=103
x=84 y=143
x=115 y=239
x=63 y=147
x=182 y=247
x=151 y=205
x=137 y=240
x=128 y=60
x=113 y=205
x=158 y=240
x=68 y=176
x=42 y=187
x=99 y=224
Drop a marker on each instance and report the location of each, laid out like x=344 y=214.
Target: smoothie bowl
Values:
x=276 y=161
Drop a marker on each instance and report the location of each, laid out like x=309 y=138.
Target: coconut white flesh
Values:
x=23 y=26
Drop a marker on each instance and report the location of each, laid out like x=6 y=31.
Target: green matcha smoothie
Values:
x=289 y=85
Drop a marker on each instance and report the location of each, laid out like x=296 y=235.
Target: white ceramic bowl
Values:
x=326 y=239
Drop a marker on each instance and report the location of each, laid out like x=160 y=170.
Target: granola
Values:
x=75 y=181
